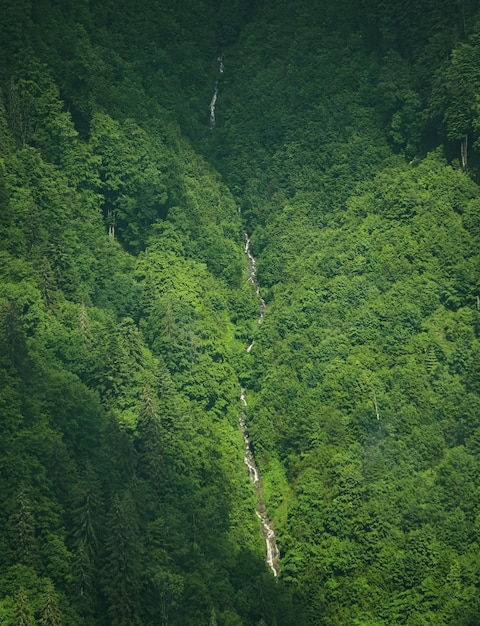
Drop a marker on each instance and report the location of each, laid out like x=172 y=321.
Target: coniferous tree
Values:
x=122 y=568
x=119 y=466
x=149 y=439
x=22 y=611
x=23 y=522
x=5 y=209
x=164 y=380
x=84 y=580
x=20 y=108
x=48 y=286
x=50 y=614
x=88 y=512
x=12 y=336
x=84 y=326
x=34 y=230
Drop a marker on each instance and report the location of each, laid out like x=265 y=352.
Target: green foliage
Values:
x=125 y=312
x=22 y=611
x=24 y=530
x=50 y=612
x=149 y=440
x=123 y=561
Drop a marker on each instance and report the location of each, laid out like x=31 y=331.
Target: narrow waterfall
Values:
x=252 y=278
x=213 y=101
x=213 y=104
x=273 y=554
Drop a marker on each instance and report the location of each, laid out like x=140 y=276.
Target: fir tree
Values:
x=88 y=512
x=84 y=326
x=48 y=285
x=12 y=336
x=24 y=529
x=22 y=611
x=121 y=575
x=149 y=439
x=50 y=614
x=83 y=584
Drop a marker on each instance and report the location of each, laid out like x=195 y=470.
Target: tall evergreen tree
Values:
x=22 y=610
x=12 y=336
x=48 y=286
x=50 y=614
x=88 y=512
x=123 y=562
x=149 y=440
x=84 y=582
x=23 y=522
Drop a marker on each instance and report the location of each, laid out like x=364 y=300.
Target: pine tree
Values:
x=48 y=285
x=149 y=439
x=24 y=529
x=121 y=578
x=19 y=109
x=164 y=380
x=88 y=512
x=33 y=229
x=84 y=326
x=13 y=342
x=118 y=470
x=84 y=588
x=22 y=611
x=88 y=515
x=6 y=213
x=50 y=611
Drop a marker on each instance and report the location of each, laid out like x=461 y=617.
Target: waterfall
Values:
x=273 y=554
x=213 y=104
x=252 y=278
x=213 y=101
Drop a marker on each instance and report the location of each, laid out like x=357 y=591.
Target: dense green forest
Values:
x=138 y=143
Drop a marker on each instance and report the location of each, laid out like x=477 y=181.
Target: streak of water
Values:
x=273 y=554
x=213 y=101
x=213 y=104
x=252 y=278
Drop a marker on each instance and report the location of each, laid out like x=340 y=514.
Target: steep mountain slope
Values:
x=347 y=146
x=342 y=135
x=124 y=308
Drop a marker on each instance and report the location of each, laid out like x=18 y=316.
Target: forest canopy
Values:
x=345 y=146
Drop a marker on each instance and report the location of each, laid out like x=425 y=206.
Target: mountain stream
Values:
x=273 y=554
x=213 y=101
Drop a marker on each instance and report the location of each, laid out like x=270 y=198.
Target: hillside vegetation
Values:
x=346 y=143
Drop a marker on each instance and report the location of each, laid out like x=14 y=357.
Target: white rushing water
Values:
x=273 y=554
x=252 y=278
x=213 y=101
x=213 y=104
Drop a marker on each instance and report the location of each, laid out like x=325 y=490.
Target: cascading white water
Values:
x=213 y=104
x=252 y=278
x=273 y=554
x=213 y=101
